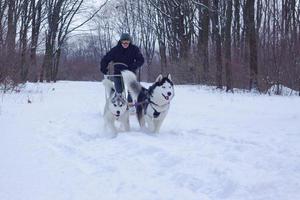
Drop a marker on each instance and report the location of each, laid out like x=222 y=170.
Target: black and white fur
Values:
x=116 y=108
x=152 y=104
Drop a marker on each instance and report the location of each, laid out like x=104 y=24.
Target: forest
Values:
x=248 y=44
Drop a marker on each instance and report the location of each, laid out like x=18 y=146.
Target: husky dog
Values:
x=152 y=104
x=115 y=109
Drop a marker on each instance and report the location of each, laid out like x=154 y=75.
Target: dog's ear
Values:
x=159 y=78
x=169 y=77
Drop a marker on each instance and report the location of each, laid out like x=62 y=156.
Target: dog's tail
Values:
x=109 y=86
x=131 y=83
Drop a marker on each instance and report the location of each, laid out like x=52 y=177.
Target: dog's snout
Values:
x=169 y=93
x=118 y=112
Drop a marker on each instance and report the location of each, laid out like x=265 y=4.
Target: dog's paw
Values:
x=147 y=131
x=111 y=135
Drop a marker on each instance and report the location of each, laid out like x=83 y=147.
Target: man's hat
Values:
x=125 y=36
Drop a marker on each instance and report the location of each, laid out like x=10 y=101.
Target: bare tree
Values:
x=25 y=20
x=53 y=8
x=203 y=37
x=251 y=38
x=60 y=17
x=146 y=20
x=217 y=40
x=3 y=8
x=264 y=36
x=228 y=71
x=160 y=27
x=36 y=17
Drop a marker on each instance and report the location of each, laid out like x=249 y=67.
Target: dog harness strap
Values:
x=153 y=103
x=141 y=103
x=155 y=114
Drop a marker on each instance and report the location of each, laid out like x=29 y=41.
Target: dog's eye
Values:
x=163 y=86
x=115 y=105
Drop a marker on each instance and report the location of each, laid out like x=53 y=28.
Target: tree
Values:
x=36 y=17
x=217 y=43
x=25 y=20
x=203 y=37
x=228 y=72
x=60 y=15
x=251 y=38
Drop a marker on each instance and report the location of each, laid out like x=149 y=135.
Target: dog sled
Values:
x=114 y=78
x=151 y=105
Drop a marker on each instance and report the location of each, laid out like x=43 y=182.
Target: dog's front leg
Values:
x=126 y=123
x=142 y=121
x=150 y=123
x=157 y=125
x=111 y=127
x=158 y=122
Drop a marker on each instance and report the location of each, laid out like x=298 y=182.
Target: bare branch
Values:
x=90 y=18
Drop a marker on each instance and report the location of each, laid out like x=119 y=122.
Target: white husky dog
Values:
x=152 y=104
x=116 y=109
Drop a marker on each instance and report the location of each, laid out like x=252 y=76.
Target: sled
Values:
x=112 y=78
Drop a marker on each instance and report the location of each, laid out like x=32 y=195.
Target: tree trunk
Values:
x=10 y=68
x=250 y=29
x=47 y=62
x=237 y=25
x=35 y=30
x=163 y=56
x=11 y=31
x=161 y=37
x=24 y=67
x=51 y=37
x=217 y=38
x=203 y=40
x=228 y=72
x=56 y=64
x=3 y=6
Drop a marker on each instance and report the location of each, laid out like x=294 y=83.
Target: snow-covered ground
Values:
x=212 y=145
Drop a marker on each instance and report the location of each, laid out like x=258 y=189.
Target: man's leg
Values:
x=129 y=98
x=118 y=84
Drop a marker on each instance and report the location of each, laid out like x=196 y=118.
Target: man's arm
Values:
x=139 y=59
x=106 y=60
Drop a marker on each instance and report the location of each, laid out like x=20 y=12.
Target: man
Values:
x=126 y=56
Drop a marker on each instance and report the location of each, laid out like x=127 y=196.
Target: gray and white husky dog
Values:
x=152 y=104
x=116 y=108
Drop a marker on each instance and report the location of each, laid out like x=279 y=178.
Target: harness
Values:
x=156 y=113
x=148 y=102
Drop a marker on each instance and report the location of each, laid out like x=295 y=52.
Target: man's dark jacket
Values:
x=130 y=56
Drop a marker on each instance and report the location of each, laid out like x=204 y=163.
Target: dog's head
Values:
x=162 y=91
x=118 y=104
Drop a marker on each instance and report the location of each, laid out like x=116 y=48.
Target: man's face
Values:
x=125 y=43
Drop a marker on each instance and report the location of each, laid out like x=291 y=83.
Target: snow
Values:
x=282 y=90
x=212 y=146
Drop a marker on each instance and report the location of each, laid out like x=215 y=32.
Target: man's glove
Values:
x=104 y=71
x=132 y=68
